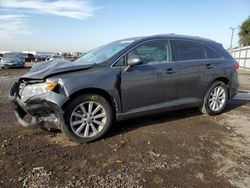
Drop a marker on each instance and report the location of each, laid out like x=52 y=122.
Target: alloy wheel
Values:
x=88 y=119
x=217 y=98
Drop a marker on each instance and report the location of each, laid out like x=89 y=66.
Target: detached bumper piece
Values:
x=19 y=112
x=44 y=110
x=19 y=117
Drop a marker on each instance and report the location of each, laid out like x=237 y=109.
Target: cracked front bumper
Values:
x=45 y=109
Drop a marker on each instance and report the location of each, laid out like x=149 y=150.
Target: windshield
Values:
x=103 y=53
x=12 y=55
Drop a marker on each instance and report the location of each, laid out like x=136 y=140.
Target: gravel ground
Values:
x=177 y=149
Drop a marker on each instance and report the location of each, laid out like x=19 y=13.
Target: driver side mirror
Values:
x=132 y=61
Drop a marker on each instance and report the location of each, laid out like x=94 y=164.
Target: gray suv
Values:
x=125 y=79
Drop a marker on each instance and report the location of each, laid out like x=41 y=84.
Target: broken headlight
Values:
x=37 y=89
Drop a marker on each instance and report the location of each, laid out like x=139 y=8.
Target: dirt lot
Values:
x=178 y=149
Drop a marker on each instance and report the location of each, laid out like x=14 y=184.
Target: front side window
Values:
x=188 y=50
x=152 y=52
x=120 y=62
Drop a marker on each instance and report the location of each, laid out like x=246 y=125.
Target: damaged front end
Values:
x=42 y=100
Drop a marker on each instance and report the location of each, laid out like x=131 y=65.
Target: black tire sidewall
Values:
x=215 y=84
x=71 y=106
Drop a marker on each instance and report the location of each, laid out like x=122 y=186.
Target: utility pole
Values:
x=231 y=43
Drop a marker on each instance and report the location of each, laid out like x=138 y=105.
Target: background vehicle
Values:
x=12 y=60
x=125 y=79
x=29 y=57
x=56 y=57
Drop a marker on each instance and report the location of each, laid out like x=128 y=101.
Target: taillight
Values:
x=236 y=66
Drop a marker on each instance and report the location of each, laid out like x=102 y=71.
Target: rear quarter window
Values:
x=187 y=50
x=212 y=54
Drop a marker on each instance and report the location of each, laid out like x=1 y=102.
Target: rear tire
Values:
x=87 y=118
x=215 y=99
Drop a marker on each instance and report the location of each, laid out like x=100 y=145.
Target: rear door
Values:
x=150 y=85
x=191 y=59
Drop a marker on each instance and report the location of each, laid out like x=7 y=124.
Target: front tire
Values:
x=87 y=118
x=215 y=99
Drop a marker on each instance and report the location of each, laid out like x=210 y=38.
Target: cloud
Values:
x=17 y=13
x=78 y=9
x=12 y=25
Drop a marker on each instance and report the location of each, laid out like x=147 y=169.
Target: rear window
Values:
x=211 y=54
x=188 y=50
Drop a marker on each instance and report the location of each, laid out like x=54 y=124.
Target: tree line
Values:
x=244 y=33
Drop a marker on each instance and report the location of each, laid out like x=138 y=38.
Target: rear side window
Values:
x=211 y=54
x=188 y=50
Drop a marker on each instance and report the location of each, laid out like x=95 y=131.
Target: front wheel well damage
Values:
x=96 y=91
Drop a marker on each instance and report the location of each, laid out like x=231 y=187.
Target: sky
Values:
x=81 y=25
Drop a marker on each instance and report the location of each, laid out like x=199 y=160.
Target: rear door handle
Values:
x=209 y=66
x=170 y=71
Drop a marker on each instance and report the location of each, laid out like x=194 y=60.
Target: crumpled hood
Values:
x=49 y=68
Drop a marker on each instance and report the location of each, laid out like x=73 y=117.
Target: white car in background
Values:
x=56 y=57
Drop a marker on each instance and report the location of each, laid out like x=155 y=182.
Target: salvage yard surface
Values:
x=177 y=149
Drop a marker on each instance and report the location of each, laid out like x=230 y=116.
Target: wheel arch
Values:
x=226 y=81
x=222 y=79
x=204 y=108
x=96 y=91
